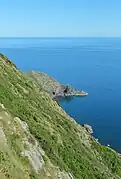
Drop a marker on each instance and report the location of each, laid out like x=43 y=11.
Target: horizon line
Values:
x=60 y=37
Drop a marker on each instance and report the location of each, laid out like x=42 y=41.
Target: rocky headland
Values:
x=53 y=87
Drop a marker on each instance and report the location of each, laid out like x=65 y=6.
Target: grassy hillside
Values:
x=66 y=144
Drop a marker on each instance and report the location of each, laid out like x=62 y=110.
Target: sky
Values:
x=60 y=18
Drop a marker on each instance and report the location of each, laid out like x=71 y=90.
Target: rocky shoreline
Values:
x=67 y=90
x=53 y=87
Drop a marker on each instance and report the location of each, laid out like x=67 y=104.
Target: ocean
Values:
x=89 y=64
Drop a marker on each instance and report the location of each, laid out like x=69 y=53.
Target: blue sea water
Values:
x=89 y=64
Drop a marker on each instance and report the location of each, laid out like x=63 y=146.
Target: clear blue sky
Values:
x=58 y=18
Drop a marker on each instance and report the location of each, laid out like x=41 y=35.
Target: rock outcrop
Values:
x=52 y=87
x=27 y=148
x=88 y=128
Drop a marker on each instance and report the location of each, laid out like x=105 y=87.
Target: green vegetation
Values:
x=66 y=144
x=44 y=81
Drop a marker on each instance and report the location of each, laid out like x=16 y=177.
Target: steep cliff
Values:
x=39 y=140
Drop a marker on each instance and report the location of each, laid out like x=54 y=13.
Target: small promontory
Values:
x=53 y=87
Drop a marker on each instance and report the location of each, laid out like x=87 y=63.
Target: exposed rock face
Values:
x=22 y=123
x=44 y=81
x=28 y=148
x=88 y=128
x=2 y=106
x=3 y=140
x=64 y=90
x=52 y=87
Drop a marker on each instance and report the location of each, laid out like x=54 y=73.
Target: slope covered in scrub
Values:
x=65 y=149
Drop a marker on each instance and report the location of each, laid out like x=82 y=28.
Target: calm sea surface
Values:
x=89 y=64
